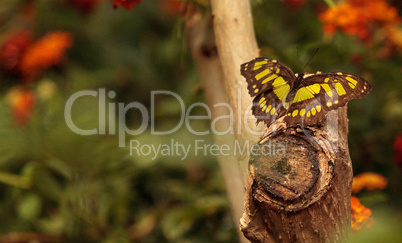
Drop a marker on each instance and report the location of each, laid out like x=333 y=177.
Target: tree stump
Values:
x=299 y=184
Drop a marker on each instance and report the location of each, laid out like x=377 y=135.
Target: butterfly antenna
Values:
x=316 y=50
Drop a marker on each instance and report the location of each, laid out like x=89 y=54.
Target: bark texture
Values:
x=302 y=195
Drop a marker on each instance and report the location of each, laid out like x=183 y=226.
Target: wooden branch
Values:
x=201 y=39
x=302 y=195
x=223 y=84
x=235 y=39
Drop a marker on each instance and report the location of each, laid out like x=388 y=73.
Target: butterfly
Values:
x=302 y=99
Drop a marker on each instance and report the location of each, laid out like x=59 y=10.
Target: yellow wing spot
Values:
x=260 y=63
x=262 y=100
x=294 y=113
x=289 y=114
x=352 y=82
x=336 y=102
x=273 y=111
x=339 y=88
x=308 y=114
x=278 y=82
x=254 y=86
x=326 y=80
x=281 y=88
x=313 y=111
x=352 y=85
x=318 y=72
x=339 y=73
x=273 y=76
x=277 y=70
x=318 y=107
x=362 y=91
x=263 y=108
x=327 y=89
x=256 y=90
x=274 y=61
x=268 y=109
x=257 y=67
x=315 y=88
x=282 y=91
x=302 y=94
x=365 y=87
x=329 y=104
x=263 y=103
x=262 y=74
x=302 y=112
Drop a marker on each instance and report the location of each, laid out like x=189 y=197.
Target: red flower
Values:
x=85 y=6
x=294 y=4
x=127 y=4
x=12 y=51
x=46 y=52
x=398 y=150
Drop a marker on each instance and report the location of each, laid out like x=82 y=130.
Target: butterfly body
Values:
x=303 y=99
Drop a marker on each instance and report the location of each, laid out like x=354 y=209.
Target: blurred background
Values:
x=56 y=185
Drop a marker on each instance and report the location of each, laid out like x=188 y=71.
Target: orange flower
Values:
x=360 y=215
x=368 y=180
x=44 y=53
x=21 y=102
x=359 y=17
x=127 y=4
x=13 y=49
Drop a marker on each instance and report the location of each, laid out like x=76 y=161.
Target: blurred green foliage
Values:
x=88 y=188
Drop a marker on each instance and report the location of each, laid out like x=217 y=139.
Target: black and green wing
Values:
x=320 y=93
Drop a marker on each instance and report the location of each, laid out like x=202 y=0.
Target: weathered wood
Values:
x=236 y=44
x=201 y=39
x=302 y=195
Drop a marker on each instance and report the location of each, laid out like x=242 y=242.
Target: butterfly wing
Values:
x=261 y=73
x=270 y=81
x=268 y=108
x=324 y=92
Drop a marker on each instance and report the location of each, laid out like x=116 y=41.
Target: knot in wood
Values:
x=288 y=172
